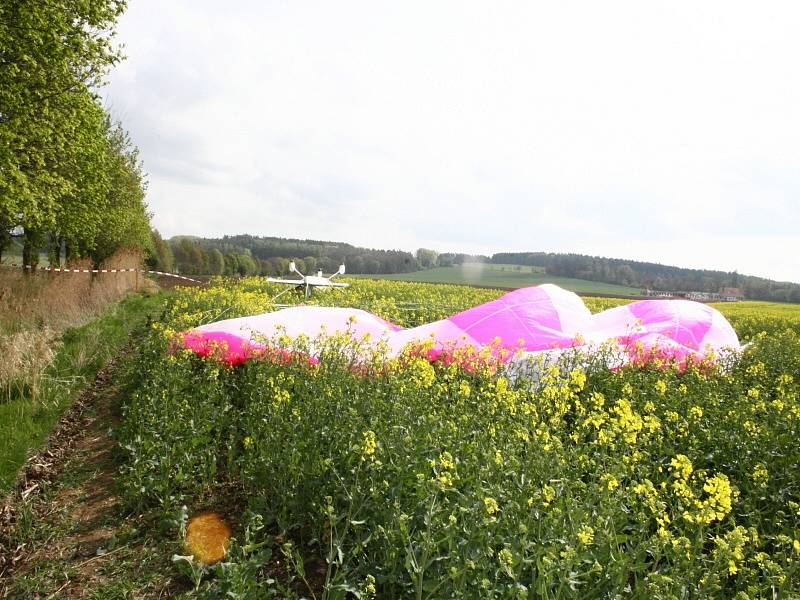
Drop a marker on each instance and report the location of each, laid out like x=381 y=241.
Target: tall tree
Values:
x=311 y=264
x=427 y=258
x=161 y=257
x=125 y=222
x=53 y=148
x=246 y=265
x=216 y=262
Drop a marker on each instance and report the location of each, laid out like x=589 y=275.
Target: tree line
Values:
x=254 y=255
x=70 y=177
x=652 y=276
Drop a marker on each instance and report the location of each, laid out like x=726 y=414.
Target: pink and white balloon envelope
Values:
x=525 y=322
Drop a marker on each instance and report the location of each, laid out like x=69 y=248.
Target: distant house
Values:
x=657 y=294
x=731 y=294
x=726 y=295
x=701 y=296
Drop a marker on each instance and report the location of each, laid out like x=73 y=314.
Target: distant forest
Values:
x=652 y=276
x=252 y=255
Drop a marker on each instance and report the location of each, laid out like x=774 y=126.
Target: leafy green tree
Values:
x=372 y=265
x=216 y=262
x=281 y=266
x=246 y=265
x=52 y=53
x=355 y=264
x=125 y=221
x=34 y=239
x=231 y=264
x=190 y=257
x=67 y=174
x=80 y=209
x=161 y=258
x=427 y=258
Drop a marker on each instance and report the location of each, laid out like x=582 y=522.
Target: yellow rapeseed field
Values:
x=406 y=478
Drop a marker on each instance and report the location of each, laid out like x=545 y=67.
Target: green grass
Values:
x=25 y=423
x=505 y=276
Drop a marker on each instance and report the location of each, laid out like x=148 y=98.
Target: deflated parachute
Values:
x=530 y=320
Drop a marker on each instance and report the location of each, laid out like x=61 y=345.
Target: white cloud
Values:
x=626 y=129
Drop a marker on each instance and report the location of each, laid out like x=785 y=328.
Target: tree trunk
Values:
x=54 y=253
x=70 y=252
x=30 y=249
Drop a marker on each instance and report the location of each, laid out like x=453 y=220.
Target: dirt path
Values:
x=63 y=532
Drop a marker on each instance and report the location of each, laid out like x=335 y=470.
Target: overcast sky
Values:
x=661 y=131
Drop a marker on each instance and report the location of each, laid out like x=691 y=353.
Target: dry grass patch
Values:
x=26 y=354
x=35 y=308
x=62 y=300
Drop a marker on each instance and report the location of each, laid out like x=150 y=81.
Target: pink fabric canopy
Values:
x=528 y=320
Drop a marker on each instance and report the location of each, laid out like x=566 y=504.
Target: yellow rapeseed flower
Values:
x=446 y=461
x=577 y=378
x=682 y=466
x=586 y=535
x=609 y=482
x=719 y=501
x=548 y=494
x=490 y=504
x=760 y=475
x=498 y=458
x=626 y=421
x=370 y=444
x=506 y=560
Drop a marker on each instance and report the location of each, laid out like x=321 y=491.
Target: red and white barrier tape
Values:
x=83 y=270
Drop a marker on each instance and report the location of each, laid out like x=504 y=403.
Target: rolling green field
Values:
x=505 y=276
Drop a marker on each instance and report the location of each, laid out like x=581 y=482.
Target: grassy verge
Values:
x=26 y=423
x=71 y=537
